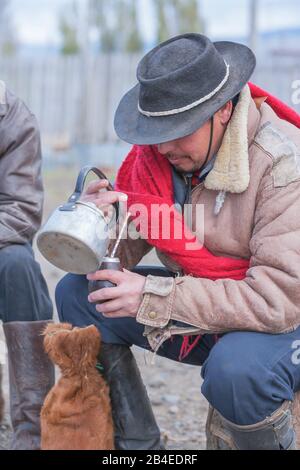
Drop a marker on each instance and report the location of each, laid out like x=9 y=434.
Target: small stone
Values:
x=173 y=410
x=157 y=383
x=156 y=401
x=171 y=399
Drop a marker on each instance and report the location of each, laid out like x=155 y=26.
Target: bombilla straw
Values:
x=120 y=235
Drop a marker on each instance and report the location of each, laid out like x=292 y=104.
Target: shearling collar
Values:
x=231 y=169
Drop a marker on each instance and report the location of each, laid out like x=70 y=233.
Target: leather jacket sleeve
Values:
x=21 y=190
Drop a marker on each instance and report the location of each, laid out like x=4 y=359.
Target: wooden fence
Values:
x=74 y=99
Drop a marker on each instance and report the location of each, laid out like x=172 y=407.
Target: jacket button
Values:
x=152 y=315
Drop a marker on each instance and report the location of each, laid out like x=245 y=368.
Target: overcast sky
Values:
x=36 y=20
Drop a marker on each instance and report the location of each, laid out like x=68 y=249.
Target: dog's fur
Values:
x=76 y=414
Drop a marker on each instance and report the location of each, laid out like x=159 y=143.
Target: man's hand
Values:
x=95 y=193
x=121 y=301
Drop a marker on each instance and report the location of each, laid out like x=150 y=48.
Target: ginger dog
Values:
x=76 y=414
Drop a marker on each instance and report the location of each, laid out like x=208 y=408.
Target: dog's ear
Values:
x=72 y=348
x=92 y=337
x=84 y=347
x=55 y=336
x=92 y=334
x=52 y=328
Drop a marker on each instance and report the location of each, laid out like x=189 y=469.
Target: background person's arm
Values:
x=21 y=189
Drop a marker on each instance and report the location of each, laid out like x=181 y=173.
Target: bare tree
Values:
x=117 y=23
x=253 y=27
x=177 y=17
x=134 y=42
x=8 y=40
x=162 y=28
x=106 y=23
x=69 y=29
x=188 y=16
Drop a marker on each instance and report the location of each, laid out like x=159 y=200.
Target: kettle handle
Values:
x=84 y=172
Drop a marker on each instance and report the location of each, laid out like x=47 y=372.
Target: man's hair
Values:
x=235 y=100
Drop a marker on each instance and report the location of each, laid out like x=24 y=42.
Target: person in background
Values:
x=25 y=306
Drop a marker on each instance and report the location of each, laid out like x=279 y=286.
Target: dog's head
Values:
x=71 y=347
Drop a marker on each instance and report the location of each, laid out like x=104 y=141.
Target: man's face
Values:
x=188 y=154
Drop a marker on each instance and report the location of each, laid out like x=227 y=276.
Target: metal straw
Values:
x=120 y=235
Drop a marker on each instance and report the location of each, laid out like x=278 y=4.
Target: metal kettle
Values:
x=76 y=236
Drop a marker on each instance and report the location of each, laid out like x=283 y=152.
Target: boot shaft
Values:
x=134 y=421
x=276 y=432
x=31 y=376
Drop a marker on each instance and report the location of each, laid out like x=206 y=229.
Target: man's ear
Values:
x=224 y=114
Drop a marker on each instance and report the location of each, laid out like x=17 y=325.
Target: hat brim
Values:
x=135 y=128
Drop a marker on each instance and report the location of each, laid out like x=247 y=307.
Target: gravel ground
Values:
x=174 y=388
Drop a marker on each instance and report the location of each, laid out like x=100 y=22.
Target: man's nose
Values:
x=166 y=147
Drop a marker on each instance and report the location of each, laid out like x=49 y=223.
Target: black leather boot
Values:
x=134 y=421
x=31 y=376
x=276 y=432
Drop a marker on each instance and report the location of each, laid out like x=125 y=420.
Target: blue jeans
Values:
x=23 y=291
x=246 y=375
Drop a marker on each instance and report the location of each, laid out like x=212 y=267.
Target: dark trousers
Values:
x=246 y=375
x=23 y=291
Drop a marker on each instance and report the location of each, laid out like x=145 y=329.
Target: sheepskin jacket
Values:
x=251 y=201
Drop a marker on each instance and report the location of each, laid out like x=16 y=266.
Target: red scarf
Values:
x=146 y=177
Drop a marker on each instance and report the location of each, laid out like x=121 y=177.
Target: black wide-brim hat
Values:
x=183 y=82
